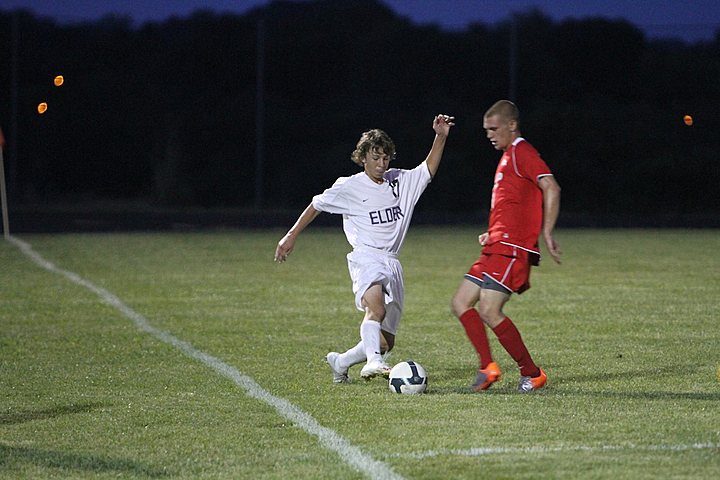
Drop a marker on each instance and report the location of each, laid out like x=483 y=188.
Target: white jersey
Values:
x=375 y=216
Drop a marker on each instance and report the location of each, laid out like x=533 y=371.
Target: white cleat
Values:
x=371 y=370
x=339 y=375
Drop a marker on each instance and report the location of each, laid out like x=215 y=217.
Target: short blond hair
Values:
x=371 y=140
x=505 y=109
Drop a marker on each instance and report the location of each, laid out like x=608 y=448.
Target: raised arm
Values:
x=441 y=125
x=287 y=243
x=551 y=210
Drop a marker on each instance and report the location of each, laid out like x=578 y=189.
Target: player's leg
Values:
x=490 y=307
x=352 y=356
x=390 y=324
x=493 y=298
x=463 y=307
x=340 y=363
x=370 y=331
x=387 y=342
x=371 y=340
x=366 y=273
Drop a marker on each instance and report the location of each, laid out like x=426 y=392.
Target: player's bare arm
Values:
x=287 y=243
x=441 y=125
x=551 y=210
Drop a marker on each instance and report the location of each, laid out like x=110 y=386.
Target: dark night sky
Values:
x=691 y=20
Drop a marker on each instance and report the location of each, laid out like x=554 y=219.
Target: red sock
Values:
x=475 y=329
x=510 y=338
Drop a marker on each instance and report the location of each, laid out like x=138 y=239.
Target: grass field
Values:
x=194 y=356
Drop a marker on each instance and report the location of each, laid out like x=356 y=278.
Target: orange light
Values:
x=59 y=80
x=42 y=108
x=688 y=120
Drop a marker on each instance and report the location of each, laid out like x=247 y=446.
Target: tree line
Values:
x=262 y=110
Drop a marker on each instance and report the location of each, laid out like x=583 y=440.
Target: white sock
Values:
x=370 y=334
x=353 y=356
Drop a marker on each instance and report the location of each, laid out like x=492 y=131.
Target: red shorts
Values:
x=512 y=272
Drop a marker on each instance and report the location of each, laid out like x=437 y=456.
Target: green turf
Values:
x=626 y=329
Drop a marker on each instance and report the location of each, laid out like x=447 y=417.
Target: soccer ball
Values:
x=408 y=377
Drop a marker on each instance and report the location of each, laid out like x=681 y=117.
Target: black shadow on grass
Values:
x=12 y=418
x=656 y=373
x=557 y=385
x=617 y=372
x=563 y=392
x=634 y=395
x=70 y=461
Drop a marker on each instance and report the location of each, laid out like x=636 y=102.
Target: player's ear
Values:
x=513 y=125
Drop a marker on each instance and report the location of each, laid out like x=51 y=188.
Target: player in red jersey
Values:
x=525 y=202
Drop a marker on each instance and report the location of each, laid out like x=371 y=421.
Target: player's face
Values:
x=500 y=131
x=376 y=164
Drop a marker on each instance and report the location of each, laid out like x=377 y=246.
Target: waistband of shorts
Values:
x=376 y=251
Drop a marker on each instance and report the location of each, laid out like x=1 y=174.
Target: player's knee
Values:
x=489 y=313
x=458 y=306
x=376 y=312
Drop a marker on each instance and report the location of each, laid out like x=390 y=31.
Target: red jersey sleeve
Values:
x=528 y=163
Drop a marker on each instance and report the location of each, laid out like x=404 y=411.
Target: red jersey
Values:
x=516 y=209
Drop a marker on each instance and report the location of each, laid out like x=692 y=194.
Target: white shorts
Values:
x=367 y=268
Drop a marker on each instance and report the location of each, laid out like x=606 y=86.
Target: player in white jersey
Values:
x=377 y=205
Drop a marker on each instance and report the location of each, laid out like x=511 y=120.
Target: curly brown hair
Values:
x=373 y=140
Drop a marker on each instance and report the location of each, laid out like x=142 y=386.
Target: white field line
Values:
x=481 y=451
x=350 y=454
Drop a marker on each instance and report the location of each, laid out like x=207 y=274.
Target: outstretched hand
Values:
x=442 y=124
x=284 y=247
